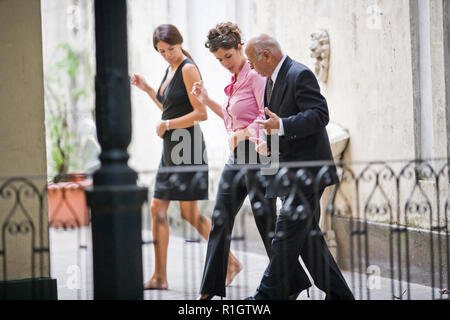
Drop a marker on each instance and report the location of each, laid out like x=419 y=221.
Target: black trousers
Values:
x=233 y=189
x=298 y=234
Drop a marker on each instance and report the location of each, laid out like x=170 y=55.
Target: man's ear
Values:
x=266 y=54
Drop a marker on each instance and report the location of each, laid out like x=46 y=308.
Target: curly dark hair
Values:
x=225 y=35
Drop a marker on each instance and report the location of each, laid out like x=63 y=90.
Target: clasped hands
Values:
x=271 y=126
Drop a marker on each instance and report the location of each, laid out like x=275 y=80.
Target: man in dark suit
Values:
x=297 y=114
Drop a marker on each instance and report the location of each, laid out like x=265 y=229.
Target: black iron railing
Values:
x=385 y=222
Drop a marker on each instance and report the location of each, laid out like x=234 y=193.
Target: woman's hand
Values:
x=235 y=137
x=260 y=146
x=199 y=91
x=139 y=82
x=232 y=141
x=161 y=129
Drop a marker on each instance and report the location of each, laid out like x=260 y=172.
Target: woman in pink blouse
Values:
x=244 y=105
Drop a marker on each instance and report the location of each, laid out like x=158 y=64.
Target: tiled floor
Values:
x=73 y=270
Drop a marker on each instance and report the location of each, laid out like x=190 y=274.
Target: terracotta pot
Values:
x=67 y=206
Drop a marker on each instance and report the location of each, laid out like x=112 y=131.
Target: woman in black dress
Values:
x=183 y=145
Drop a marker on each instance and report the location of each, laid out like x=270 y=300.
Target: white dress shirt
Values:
x=274 y=78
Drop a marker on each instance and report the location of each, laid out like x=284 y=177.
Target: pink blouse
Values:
x=246 y=103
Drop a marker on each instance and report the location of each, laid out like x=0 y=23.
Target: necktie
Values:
x=269 y=88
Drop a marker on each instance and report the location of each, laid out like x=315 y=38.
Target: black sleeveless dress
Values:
x=177 y=179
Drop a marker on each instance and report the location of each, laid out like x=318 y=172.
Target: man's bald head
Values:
x=264 y=54
x=263 y=42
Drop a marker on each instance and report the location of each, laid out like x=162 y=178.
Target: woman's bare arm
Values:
x=140 y=82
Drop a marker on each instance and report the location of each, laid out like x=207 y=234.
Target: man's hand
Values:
x=273 y=123
x=260 y=146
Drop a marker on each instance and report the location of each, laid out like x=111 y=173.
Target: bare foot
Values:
x=155 y=284
x=232 y=271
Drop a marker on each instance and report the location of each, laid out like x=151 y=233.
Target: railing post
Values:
x=115 y=199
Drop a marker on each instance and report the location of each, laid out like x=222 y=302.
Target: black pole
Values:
x=115 y=199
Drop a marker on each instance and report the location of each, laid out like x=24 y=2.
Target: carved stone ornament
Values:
x=320 y=51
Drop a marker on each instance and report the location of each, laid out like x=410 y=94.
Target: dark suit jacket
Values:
x=296 y=98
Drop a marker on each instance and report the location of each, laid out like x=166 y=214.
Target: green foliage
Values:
x=63 y=148
x=69 y=64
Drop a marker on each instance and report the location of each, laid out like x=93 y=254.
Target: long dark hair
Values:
x=169 y=34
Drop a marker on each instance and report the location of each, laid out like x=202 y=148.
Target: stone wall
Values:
x=22 y=143
x=386 y=78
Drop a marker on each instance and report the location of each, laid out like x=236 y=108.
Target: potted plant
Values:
x=66 y=198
